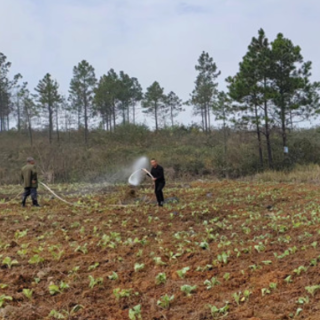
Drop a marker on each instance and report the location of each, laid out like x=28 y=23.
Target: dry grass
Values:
x=307 y=173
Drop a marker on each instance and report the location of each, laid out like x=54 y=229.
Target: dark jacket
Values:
x=29 y=174
x=158 y=173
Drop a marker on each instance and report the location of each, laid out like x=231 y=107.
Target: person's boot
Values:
x=23 y=203
x=35 y=203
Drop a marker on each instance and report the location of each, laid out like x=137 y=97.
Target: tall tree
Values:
x=81 y=92
x=251 y=88
x=205 y=92
x=153 y=102
x=48 y=98
x=124 y=96
x=106 y=99
x=222 y=109
x=136 y=97
x=6 y=88
x=130 y=93
x=28 y=109
x=103 y=101
x=294 y=95
x=173 y=106
x=4 y=91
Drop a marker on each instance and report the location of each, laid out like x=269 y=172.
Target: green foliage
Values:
x=153 y=102
x=182 y=273
x=28 y=293
x=9 y=262
x=135 y=313
x=48 y=98
x=81 y=92
x=93 y=282
x=165 y=301
x=187 y=289
x=205 y=93
x=3 y=299
x=161 y=278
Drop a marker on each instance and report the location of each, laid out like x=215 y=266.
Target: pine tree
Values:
x=173 y=106
x=81 y=93
x=294 y=95
x=153 y=102
x=205 y=92
x=48 y=98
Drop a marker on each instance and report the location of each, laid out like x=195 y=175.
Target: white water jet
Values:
x=137 y=176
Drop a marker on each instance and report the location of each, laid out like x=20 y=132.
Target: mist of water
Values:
x=137 y=174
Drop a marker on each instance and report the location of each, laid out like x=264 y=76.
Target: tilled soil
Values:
x=257 y=244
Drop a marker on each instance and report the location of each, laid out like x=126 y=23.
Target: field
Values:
x=226 y=250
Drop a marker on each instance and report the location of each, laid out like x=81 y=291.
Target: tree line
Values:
x=272 y=89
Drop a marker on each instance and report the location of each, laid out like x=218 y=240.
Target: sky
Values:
x=152 y=40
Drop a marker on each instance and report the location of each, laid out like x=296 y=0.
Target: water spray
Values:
x=139 y=171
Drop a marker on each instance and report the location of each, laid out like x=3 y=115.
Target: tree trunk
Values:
x=267 y=128
x=171 y=109
x=156 y=115
x=50 y=123
x=57 y=126
x=85 y=119
x=18 y=115
x=134 y=114
x=283 y=125
x=209 y=120
x=259 y=136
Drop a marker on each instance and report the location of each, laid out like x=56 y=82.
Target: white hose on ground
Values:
x=65 y=201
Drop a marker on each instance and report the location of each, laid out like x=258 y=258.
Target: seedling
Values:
x=299 y=310
x=56 y=253
x=82 y=249
x=187 y=289
x=161 y=278
x=312 y=289
x=215 y=311
x=236 y=297
x=273 y=286
x=223 y=257
x=165 y=301
x=303 y=300
x=158 y=261
x=93 y=282
x=204 y=245
x=135 y=313
x=226 y=276
x=138 y=267
x=3 y=299
x=20 y=234
x=211 y=283
x=113 y=276
x=36 y=259
x=94 y=266
x=118 y=293
x=54 y=289
x=182 y=273
x=265 y=291
x=300 y=269
x=28 y=293
x=9 y=262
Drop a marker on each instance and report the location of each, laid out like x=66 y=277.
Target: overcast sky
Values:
x=149 y=39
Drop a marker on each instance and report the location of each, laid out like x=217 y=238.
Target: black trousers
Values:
x=30 y=191
x=158 y=191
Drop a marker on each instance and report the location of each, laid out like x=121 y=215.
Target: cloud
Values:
x=149 y=39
